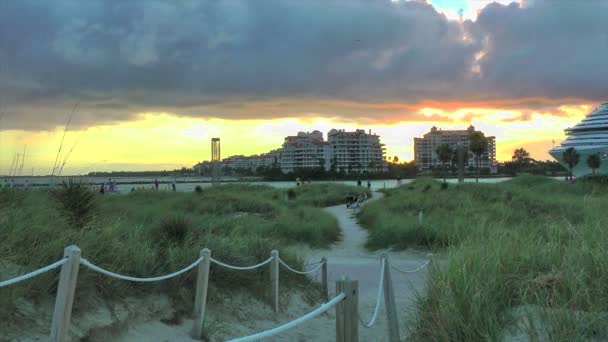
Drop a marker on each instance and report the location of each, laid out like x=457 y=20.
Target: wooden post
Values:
x=65 y=295
x=274 y=280
x=389 y=301
x=324 y=279
x=347 y=325
x=200 y=300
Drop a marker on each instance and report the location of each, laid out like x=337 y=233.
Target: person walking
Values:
x=358 y=182
x=173 y=186
x=102 y=188
x=156 y=184
x=369 y=185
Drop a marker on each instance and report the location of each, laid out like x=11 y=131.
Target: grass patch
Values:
x=529 y=242
x=149 y=233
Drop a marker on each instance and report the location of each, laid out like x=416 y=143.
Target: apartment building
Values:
x=304 y=151
x=348 y=152
x=425 y=147
x=355 y=152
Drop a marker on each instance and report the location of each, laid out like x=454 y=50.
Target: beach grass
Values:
x=526 y=257
x=148 y=233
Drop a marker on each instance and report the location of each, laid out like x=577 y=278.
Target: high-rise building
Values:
x=348 y=152
x=425 y=147
x=216 y=159
x=304 y=151
x=355 y=152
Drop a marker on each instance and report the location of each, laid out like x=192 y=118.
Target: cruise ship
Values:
x=588 y=137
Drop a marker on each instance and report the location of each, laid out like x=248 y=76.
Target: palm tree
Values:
x=444 y=154
x=594 y=162
x=571 y=158
x=478 y=144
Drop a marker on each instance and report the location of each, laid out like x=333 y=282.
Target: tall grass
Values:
x=148 y=233
x=530 y=250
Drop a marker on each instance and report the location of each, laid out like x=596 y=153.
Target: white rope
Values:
x=271 y=332
x=300 y=272
x=33 y=273
x=241 y=268
x=124 y=277
x=412 y=271
x=378 y=299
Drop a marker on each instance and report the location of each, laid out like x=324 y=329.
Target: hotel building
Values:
x=425 y=147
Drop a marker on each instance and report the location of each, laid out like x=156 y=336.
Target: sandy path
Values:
x=350 y=258
x=245 y=316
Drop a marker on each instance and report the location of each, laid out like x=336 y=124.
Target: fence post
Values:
x=274 y=280
x=65 y=295
x=389 y=301
x=200 y=299
x=324 y=279
x=347 y=326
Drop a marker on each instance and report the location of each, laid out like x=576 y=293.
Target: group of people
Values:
x=110 y=187
x=12 y=184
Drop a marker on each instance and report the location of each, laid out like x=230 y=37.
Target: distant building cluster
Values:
x=425 y=148
x=348 y=152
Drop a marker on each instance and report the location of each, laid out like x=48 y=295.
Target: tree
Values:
x=396 y=160
x=444 y=154
x=594 y=162
x=521 y=157
x=478 y=144
x=322 y=164
x=571 y=158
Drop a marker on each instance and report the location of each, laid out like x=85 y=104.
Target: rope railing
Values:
x=411 y=271
x=300 y=272
x=241 y=268
x=271 y=332
x=33 y=273
x=378 y=299
x=96 y=268
x=347 y=316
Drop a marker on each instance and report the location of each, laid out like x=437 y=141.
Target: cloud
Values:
x=241 y=59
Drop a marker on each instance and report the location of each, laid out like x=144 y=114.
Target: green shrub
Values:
x=76 y=200
x=173 y=229
x=291 y=194
x=198 y=189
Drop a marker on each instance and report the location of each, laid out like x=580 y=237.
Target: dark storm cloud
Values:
x=553 y=49
x=209 y=58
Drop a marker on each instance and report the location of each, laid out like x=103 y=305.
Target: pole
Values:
x=65 y=295
x=347 y=326
x=274 y=280
x=389 y=301
x=324 y=279
x=200 y=299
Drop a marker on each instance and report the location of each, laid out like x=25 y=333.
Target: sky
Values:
x=150 y=82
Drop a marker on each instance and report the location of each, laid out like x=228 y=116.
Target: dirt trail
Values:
x=245 y=316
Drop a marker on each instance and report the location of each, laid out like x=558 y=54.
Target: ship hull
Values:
x=582 y=169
